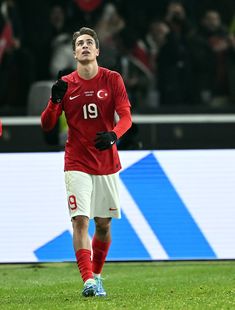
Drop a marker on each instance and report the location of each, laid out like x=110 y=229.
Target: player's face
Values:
x=85 y=49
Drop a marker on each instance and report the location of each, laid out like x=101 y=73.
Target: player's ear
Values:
x=74 y=55
x=97 y=52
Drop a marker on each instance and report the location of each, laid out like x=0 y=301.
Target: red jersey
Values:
x=89 y=107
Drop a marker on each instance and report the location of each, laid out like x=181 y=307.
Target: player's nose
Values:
x=85 y=45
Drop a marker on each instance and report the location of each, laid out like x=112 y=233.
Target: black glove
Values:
x=105 y=140
x=58 y=91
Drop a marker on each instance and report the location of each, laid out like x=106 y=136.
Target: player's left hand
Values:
x=105 y=140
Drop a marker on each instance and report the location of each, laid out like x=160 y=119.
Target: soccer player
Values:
x=89 y=97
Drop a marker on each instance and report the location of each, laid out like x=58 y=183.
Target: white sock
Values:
x=89 y=281
x=96 y=275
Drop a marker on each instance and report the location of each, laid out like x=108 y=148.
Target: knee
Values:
x=103 y=227
x=80 y=223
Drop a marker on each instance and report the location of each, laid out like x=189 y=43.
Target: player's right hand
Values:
x=58 y=91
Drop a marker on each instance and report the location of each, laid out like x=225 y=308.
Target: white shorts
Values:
x=92 y=195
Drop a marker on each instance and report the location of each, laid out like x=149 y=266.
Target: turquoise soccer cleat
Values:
x=100 y=290
x=90 y=288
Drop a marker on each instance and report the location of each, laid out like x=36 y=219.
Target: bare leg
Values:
x=103 y=231
x=80 y=233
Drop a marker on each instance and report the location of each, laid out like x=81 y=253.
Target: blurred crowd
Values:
x=170 y=53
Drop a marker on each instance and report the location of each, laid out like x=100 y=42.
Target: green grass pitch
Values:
x=154 y=285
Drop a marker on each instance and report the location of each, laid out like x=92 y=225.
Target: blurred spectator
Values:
x=138 y=13
x=155 y=38
x=16 y=67
x=177 y=19
x=61 y=55
x=174 y=68
x=55 y=24
x=59 y=42
x=136 y=70
x=6 y=36
x=108 y=29
x=225 y=8
x=85 y=12
x=213 y=53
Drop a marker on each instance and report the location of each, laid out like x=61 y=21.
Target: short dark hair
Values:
x=85 y=30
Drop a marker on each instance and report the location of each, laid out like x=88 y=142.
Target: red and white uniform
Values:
x=89 y=107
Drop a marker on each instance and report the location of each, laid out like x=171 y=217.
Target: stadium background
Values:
x=179 y=152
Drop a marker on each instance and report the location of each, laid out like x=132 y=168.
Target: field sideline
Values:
x=148 y=286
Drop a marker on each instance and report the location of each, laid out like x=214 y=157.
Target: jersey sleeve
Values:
x=120 y=93
x=50 y=115
x=124 y=122
x=122 y=106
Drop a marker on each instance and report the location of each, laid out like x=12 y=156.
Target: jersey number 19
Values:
x=90 y=111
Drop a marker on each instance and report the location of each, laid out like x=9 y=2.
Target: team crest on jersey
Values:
x=102 y=94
